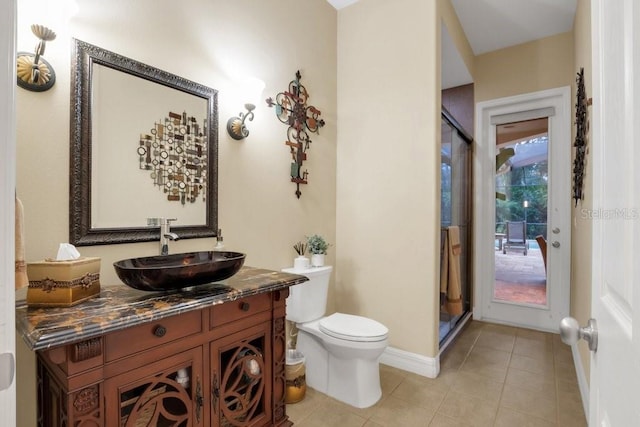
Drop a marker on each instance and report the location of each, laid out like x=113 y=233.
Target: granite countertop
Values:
x=118 y=307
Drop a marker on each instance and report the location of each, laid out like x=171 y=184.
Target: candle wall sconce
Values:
x=236 y=126
x=292 y=110
x=33 y=71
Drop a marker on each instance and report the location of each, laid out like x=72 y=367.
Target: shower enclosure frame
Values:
x=464 y=220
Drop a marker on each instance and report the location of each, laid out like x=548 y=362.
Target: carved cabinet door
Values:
x=164 y=393
x=241 y=378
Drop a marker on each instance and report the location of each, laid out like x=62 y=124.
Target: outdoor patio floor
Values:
x=520 y=278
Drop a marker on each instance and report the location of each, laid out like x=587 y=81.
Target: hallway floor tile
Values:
x=491 y=375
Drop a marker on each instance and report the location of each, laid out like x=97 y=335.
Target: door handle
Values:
x=571 y=332
x=555 y=230
x=7 y=370
x=555 y=244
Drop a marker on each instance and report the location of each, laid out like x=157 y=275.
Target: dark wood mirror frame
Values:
x=81 y=232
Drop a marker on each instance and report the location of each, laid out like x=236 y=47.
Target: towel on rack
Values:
x=21 y=279
x=450 y=286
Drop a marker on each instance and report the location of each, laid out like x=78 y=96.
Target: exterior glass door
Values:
x=521 y=212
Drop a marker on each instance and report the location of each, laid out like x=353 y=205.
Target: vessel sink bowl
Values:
x=177 y=271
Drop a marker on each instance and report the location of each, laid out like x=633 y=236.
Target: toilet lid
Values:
x=353 y=328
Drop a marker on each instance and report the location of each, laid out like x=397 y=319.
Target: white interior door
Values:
x=7 y=224
x=556 y=105
x=615 y=366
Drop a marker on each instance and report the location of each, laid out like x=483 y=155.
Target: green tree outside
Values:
x=526 y=183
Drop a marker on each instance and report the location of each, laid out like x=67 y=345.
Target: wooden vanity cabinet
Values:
x=222 y=365
x=165 y=393
x=240 y=367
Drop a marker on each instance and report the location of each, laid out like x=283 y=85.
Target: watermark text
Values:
x=610 y=214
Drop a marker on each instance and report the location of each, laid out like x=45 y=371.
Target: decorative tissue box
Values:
x=63 y=283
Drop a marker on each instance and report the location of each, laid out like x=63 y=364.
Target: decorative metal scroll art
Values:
x=164 y=400
x=292 y=109
x=241 y=390
x=175 y=151
x=580 y=142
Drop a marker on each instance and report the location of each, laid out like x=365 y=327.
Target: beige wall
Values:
x=388 y=171
x=542 y=64
x=581 y=234
x=216 y=43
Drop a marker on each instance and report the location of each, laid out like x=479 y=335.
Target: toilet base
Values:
x=354 y=380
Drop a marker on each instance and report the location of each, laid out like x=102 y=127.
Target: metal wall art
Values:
x=582 y=126
x=292 y=110
x=175 y=151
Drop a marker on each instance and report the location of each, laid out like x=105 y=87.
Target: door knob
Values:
x=555 y=230
x=555 y=244
x=571 y=332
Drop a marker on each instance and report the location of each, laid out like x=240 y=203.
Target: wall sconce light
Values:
x=236 y=126
x=34 y=72
x=249 y=90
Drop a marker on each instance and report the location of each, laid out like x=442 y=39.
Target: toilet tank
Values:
x=308 y=301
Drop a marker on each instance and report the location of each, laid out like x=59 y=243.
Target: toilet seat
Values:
x=353 y=328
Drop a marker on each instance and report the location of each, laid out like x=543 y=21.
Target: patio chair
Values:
x=515 y=236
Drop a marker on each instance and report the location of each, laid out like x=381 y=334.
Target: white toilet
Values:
x=341 y=350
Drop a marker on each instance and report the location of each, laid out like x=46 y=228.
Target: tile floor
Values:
x=491 y=376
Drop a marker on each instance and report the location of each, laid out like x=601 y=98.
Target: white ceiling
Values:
x=495 y=24
x=339 y=4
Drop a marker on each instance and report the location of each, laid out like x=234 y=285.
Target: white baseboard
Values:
x=411 y=362
x=583 y=384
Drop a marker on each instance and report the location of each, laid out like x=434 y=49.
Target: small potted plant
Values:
x=318 y=249
x=301 y=262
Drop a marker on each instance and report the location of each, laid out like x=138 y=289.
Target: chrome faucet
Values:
x=165 y=232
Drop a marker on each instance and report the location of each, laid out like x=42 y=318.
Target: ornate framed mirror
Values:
x=143 y=144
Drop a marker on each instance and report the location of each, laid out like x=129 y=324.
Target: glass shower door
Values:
x=455 y=196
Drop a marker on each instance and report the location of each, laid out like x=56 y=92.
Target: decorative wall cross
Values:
x=292 y=110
